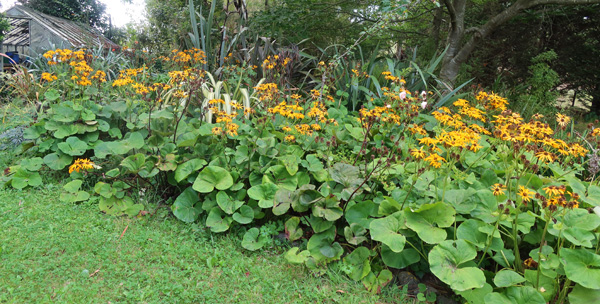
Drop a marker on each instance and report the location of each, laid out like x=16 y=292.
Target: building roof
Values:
x=77 y=34
x=18 y=33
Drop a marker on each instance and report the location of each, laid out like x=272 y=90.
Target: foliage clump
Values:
x=494 y=205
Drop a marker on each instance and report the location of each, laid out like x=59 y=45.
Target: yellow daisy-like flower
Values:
x=217 y=131
x=525 y=194
x=81 y=164
x=435 y=160
x=545 y=156
x=563 y=120
x=554 y=190
x=498 y=189
x=417 y=153
x=290 y=138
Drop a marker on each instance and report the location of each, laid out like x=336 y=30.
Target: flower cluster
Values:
x=48 y=77
x=81 y=164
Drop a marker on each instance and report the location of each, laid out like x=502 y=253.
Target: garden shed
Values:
x=33 y=32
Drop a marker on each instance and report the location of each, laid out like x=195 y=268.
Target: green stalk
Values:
x=490 y=239
x=537 y=282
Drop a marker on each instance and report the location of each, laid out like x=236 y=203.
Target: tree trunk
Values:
x=458 y=50
x=437 y=25
x=595 y=107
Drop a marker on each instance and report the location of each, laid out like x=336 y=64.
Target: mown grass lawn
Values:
x=64 y=253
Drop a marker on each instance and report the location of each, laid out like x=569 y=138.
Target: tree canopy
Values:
x=91 y=12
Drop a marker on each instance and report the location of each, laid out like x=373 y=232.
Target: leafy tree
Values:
x=91 y=12
x=4 y=26
x=464 y=38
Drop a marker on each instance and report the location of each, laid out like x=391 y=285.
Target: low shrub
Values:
x=496 y=207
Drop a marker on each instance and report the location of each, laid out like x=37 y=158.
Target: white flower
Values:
x=402 y=95
x=424 y=104
x=423 y=94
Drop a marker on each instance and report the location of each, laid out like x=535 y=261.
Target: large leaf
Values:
x=217 y=221
x=134 y=163
x=73 y=146
x=290 y=162
x=292 y=229
x=374 y=283
x=32 y=164
x=582 y=295
x=582 y=266
x=187 y=168
x=212 y=177
x=477 y=233
x=357 y=263
x=322 y=246
x=451 y=262
x=400 y=260
x=184 y=207
x=253 y=240
x=424 y=220
x=360 y=213
x=386 y=230
x=345 y=174
x=228 y=204
x=244 y=215
x=57 y=161
x=295 y=257
x=506 y=278
x=264 y=194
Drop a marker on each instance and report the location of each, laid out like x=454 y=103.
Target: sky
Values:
x=121 y=13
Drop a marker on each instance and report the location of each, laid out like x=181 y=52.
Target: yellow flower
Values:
x=545 y=156
x=290 y=138
x=525 y=194
x=418 y=154
x=498 y=189
x=232 y=129
x=286 y=129
x=217 y=131
x=81 y=164
x=48 y=77
x=435 y=160
x=554 y=190
x=562 y=120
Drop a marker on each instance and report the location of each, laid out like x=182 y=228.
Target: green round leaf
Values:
x=424 y=221
x=400 y=260
x=73 y=186
x=294 y=257
x=506 y=278
x=32 y=164
x=386 y=230
x=292 y=231
x=252 y=241
x=357 y=263
x=212 y=177
x=57 y=161
x=187 y=168
x=184 y=207
x=73 y=146
x=582 y=266
x=582 y=295
x=264 y=194
x=228 y=204
x=217 y=221
x=451 y=262
x=244 y=215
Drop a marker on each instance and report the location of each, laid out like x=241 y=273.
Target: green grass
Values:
x=65 y=253
x=71 y=253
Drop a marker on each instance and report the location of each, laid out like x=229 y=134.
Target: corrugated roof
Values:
x=19 y=32
x=77 y=34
